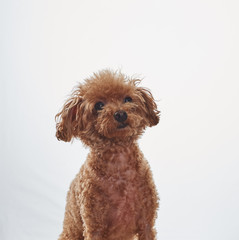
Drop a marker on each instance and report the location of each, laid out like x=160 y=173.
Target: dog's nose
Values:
x=120 y=116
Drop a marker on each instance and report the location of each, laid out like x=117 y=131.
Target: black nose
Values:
x=120 y=116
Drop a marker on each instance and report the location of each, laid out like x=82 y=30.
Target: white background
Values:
x=186 y=51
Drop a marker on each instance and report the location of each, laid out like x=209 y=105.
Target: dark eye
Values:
x=99 y=106
x=128 y=99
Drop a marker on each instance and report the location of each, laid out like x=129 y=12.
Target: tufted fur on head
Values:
x=79 y=117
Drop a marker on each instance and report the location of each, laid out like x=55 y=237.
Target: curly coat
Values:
x=113 y=196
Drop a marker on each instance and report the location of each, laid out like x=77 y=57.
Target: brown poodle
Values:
x=113 y=197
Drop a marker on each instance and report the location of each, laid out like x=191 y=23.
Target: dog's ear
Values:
x=67 y=120
x=149 y=106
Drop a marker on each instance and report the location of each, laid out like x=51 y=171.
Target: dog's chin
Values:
x=122 y=126
x=119 y=131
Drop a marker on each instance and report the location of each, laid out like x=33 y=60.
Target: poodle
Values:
x=113 y=197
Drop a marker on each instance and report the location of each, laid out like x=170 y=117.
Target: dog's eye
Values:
x=99 y=106
x=128 y=99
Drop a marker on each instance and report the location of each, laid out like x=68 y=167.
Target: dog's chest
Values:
x=121 y=188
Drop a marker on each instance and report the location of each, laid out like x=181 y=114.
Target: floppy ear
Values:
x=150 y=107
x=67 y=122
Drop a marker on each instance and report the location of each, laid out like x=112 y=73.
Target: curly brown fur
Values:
x=113 y=196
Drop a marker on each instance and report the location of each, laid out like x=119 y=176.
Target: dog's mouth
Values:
x=122 y=125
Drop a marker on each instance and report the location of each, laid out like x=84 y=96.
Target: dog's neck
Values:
x=114 y=159
x=102 y=145
x=113 y=146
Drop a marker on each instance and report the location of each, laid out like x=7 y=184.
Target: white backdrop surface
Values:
x=188 y=54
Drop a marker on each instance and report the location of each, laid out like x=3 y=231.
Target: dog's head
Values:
x=107 y=106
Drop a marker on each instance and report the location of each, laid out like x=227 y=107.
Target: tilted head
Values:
x=107 y=107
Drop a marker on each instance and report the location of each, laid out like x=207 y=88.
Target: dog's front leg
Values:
x=72 y=225
x=72 y=229
x=147 y=233
x=148 y=210
x=94 y=212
